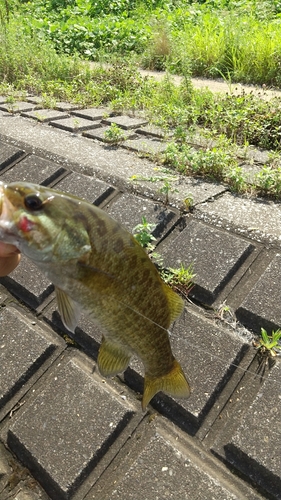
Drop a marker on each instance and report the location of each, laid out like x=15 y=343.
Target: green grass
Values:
x=30 y=63
x=239 y=39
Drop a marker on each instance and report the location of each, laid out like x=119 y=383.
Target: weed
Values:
x=178 y=276
x=269 y=345
x=180 y=279
x=167 y=189
x=268 y=181
x=114 y=134
x=143 y=234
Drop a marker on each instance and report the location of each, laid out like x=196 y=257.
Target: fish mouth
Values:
x=6 y=224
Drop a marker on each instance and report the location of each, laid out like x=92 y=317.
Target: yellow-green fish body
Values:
x=98 y=267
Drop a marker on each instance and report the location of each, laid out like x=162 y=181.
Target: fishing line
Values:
x=220 y=359
x=173 y=336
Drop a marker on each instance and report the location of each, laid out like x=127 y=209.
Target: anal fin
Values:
x=112 y=359
x=69 y=309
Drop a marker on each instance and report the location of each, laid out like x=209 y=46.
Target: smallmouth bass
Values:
x=99 y=268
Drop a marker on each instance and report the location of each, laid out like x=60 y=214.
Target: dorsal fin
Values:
x=69 y=310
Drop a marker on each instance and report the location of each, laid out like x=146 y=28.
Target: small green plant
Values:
x=143 y=234
x=48 y=101
x=179 y=278
x=269 y=345
x=11 y=102
x=167 y=189
x=114 y=134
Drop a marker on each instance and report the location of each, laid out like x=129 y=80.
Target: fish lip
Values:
x=5 y=225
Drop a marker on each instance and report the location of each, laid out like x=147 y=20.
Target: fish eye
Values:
x=33 y=202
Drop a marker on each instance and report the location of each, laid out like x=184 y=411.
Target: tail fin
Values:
x=173 y=383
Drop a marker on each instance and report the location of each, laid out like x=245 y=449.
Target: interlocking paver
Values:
x=92 y=190
x=80 y=419
x=255 y=447
x=215 y=256
x=3 y=294
x=66 y=106
x=46 y=115
x=74 y=124
x=125 y=122
x=152 y=130
x=259 y=307
x=160 y=471
x=9 y=154
x=92 y=113
x=129 y=210
x=209 y=355
x=71 y=428
x=259 y=219
x=18 y=107
x=100 y=133
x=33 y=169
x=28 y=283
x=145 y=145
x=23 y=349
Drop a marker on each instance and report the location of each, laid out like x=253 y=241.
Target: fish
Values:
x=98 y=268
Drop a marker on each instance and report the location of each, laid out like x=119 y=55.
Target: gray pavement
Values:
x=65 y=432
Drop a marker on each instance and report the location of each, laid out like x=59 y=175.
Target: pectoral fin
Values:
x=69 y=310
x=112 y=359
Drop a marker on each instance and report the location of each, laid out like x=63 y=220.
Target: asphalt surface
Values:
x=65 y=432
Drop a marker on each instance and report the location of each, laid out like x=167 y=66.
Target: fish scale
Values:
x=98 y=267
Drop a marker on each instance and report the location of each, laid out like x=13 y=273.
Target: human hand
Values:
x=9 y=258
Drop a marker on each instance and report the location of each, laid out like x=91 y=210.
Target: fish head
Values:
x=41 y=222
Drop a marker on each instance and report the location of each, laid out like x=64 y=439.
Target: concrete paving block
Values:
x=23 y=349
x=259 y=219
x=9 y=154
x=255 y=447
x=92 y=113
x=261 y=307
x=93 y=158
x=16 y=482
x=92 y=190
x=35 y=99
x=249 y=171
x=74 y=124
x=152 y=130
x=99 y=134
x=68 y=427
x=209 y=356
x=254 y=154
x=125 y=122
x=18 y=107
x=66 y=106
x=129 y=210
x=215 y=256
x=3 y=294
x=34 y=169
x=145 y=145
x=46 y=115
x=161 y=472
x=28 y=283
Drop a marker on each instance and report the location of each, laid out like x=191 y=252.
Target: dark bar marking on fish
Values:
x=95 y=270
x=79 y=217
x=118 y=245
